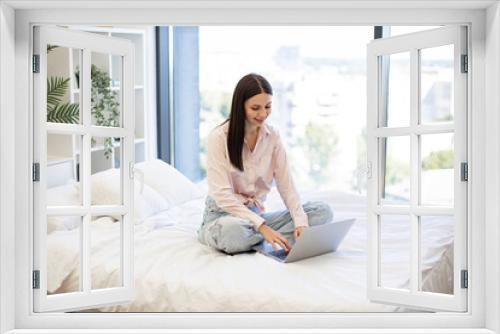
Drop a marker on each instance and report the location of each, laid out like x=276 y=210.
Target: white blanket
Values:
x=175 y=273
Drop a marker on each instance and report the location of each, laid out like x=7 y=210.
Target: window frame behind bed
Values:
x=241 y=14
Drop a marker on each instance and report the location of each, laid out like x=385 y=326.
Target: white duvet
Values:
x=175 y=273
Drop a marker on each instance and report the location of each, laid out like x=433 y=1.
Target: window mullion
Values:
x=86 y=172
x=418 y=129
x=127 y=158
x=414 y=171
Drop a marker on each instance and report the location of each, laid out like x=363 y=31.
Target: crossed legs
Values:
x=233 y=235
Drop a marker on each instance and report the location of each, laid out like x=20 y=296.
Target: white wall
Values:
x=492 y=169
x=7 y=167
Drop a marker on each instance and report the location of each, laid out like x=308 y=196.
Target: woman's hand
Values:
x=298 y=231
x=274 y=237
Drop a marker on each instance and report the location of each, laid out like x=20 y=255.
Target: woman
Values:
x=244 y=156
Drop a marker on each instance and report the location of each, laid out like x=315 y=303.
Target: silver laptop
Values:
x=314 y=240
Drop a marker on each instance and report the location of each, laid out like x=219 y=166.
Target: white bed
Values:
x=175 y=273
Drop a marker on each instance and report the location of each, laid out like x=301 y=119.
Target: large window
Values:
x=318 y=76
x=23 y=219
x=320 y=111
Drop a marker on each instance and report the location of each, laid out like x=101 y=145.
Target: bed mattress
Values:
x=175 y=273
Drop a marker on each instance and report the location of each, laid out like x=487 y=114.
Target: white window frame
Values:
x=413 y=44
x=16 y=19
x=86 y=43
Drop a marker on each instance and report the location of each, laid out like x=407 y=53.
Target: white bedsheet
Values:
x=175 y=273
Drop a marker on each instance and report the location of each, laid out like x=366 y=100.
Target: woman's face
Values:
x=257 y=109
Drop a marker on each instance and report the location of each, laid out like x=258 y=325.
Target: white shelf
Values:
x=54 y=159
x=115 y=144
x=137 y=87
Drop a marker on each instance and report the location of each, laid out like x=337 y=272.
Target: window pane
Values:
x=106 y=251
x=437 y=169
x=63 y=170
x=106 y=171
x=436 y=84
x=63 y=98
x=106 y=91
x=395 y=170
x=395 y=249
x=396 y=68
x=436 y=242
x=63 y=235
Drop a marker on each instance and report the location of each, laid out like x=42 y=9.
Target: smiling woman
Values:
x=240 y=196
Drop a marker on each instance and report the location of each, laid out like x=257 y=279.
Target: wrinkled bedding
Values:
x=175 y=273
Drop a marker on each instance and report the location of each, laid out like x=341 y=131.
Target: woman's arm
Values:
x=219 y=184
x=286 y=186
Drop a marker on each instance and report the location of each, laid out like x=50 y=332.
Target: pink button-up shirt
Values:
x=235 y=191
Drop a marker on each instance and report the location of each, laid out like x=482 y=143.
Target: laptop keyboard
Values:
x=281 y=254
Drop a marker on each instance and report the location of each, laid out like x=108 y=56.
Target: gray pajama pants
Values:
x=231 y=234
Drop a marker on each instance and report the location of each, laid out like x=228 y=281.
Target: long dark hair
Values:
x=250 y=85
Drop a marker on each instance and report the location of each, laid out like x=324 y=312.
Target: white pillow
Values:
x=105 y=190
x=171 y=184
x=63 y=195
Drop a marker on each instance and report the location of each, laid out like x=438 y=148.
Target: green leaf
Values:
x=51 y=47
x=64 y=113
x=56 y=88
